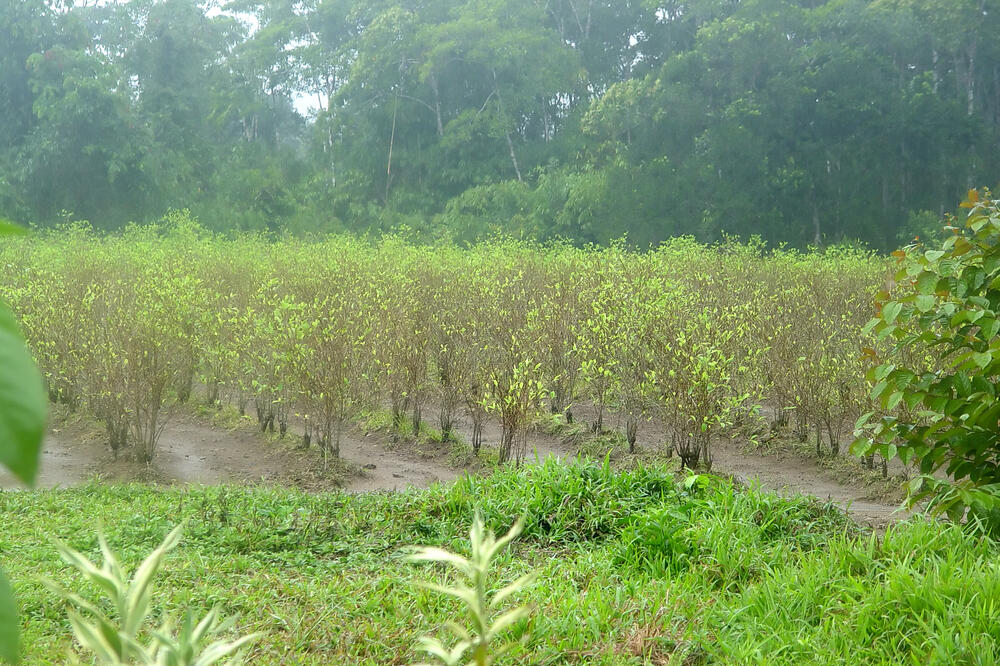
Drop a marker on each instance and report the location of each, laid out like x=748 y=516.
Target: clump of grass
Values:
x=729 y=536
x=556 y=425
x=563 y=502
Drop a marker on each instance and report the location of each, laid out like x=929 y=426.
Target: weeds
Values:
x=116 y=639
x=745 y=576
x=482 y=607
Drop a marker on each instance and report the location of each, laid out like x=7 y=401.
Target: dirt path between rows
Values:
x=191 y=451
x=791 y=475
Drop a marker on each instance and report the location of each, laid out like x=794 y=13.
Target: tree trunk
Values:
x=187 y=383
x=506 y=444
x=970 y=78
x=398 y=407
x=598 y=425
x=513 y=158
x=689 y=457
x=337 y=435
x=935 y=75
x=447 y=421
x=392 y=141
x=801 y=426
x=817 y=234
x=477 y=435
x=510 y=143
x=437 y=104
x=415 y=420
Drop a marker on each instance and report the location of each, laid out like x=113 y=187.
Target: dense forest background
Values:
x=802 y=121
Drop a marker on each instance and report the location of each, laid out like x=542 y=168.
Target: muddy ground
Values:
x=192 y=450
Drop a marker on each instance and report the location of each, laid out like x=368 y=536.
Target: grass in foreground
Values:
x=632 y=568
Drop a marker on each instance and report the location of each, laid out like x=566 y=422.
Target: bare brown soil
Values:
x=71 y=454
x=193 y=451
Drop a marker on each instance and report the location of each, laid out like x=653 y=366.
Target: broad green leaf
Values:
x=890 y=311
x=926 y=282
x=924 y=302
x=878 y=389
x=982 y=359
x=22 y=403
x=962 y=246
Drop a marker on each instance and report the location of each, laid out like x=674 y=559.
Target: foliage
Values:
x=480 y=602
x=22 y=419
x=116 y=640
x=704 y=339
x=801 y=122
x=935 y=387
x=766 y=579
x=22 y=426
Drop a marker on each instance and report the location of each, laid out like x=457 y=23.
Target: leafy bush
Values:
x=703 y=339
x=935 y=386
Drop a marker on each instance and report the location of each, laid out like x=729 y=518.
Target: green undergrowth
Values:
x=633 y=567
x=427 y=442
x=222 y=415
x=580 y=437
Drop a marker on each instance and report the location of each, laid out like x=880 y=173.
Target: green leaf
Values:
x=22 y=403
x=924 y=302
x=878 y=389
x=8 y=622
x=890 y=311
x=982 y=359
x=926 y=282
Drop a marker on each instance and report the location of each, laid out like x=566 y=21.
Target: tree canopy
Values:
x=801 y=121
